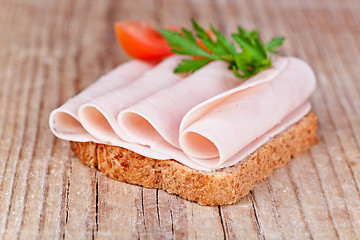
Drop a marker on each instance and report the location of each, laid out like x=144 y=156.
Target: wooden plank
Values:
x=6 y=77
x=173 y=216
x=35 y=168
x=56 y=174
x=240 y=220
x=53 y=50
x=344 y=220
x=80 y=218
x=339 y=221
x=18 y=164
x=347 y=190
x=11 y=148
x=176 y=12
x=53 y=214
x=80 y=208
x=117 y=210
x=203 y=222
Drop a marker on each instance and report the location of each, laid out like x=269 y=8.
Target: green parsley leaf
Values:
x=191 y=65
x=274 y=43
x=252 y=58
x=185 y=44
x=223 y=43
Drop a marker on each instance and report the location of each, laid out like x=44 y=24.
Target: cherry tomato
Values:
x=141 y=41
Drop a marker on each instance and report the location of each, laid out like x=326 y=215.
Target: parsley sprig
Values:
x=253 y=57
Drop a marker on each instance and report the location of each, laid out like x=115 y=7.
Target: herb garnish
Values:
x=253 y=57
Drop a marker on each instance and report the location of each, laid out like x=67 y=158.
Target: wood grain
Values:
x=51 y=50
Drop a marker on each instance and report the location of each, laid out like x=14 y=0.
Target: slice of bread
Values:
x=224 y=186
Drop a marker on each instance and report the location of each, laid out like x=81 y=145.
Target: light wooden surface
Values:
x=50 y=50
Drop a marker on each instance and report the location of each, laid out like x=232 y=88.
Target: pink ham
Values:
x=64 y=121
x=206 y=121
x=245 y=113
x=98 y=116
x=159 y=116
x=290 y=119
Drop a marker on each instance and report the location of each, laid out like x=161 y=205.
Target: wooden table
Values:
x=51 y=50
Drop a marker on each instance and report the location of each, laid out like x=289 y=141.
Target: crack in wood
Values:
x=96 y=192
x=44 y=205
x=96 y=229
x=143 y=208
x=97 y=202
x=172 y=222
x=223 y=224
x=258 y=226
x=275 y=209
x=299 y=203
x=157 y=207
x=67 y=200
x=324 y=195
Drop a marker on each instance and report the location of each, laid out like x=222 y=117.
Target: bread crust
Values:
x=224 y=186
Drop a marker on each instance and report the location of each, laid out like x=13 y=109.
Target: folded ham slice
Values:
x=98 y=116
x=237 y=117
x=208 y=120
x=159 y=116
x=64 y=121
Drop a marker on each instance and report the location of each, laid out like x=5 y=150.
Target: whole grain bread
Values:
x=224 y=186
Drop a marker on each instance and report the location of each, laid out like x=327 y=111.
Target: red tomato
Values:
x=140 y=40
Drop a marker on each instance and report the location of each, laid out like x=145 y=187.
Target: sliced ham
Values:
x=206 y=121
x=245 y=113
x=159 y=116
x=98 y=116
x=64 y=121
